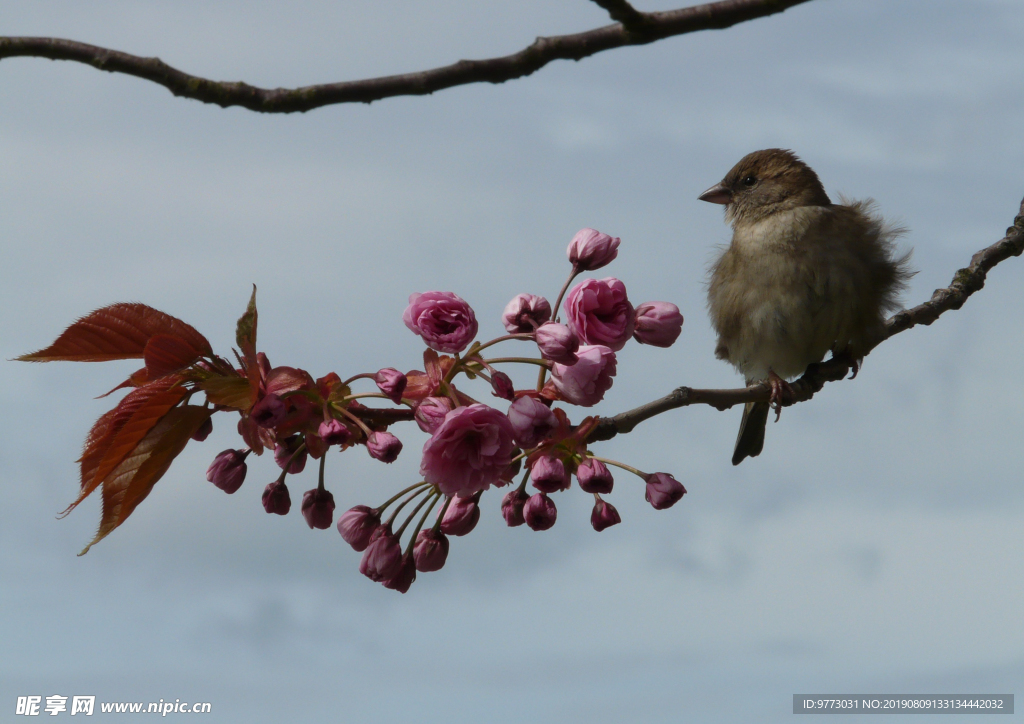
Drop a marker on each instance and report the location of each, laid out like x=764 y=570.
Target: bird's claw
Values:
x=782 y=392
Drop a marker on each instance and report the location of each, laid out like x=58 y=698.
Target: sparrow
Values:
x=801 y=277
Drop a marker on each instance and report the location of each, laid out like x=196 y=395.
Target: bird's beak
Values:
x=717 y=194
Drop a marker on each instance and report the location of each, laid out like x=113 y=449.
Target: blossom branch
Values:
x=633 y=28
x=965 y=282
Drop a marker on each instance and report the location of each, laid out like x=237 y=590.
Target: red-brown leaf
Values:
x=120 y=331
x=234 y=392
x=130 y=482
x=105 y=441
x=167 y=353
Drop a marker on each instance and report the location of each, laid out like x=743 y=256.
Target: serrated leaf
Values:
x=116 y=432
x=166 y=353
x=120 y=331
x=131 y=481
x=227 y=391
x=245 y=330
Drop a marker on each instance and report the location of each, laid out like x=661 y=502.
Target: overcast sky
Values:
x=874 y=547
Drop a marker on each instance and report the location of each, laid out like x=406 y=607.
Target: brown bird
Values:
x=802 y=277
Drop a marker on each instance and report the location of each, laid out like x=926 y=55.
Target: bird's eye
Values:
x=749 y=180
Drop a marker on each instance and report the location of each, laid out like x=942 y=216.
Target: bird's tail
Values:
x=750 y=440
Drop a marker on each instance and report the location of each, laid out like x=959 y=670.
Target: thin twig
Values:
x=965 y=282
x=633 y=29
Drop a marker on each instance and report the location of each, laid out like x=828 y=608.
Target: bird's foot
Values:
x=782 y=392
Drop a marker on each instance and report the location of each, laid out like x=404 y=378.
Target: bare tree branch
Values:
x=634 y=28
x=622 y=12
x=965 y=283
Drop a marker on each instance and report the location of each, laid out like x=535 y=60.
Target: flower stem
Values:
x=412 y=541
x=399 y=494
x=524 y=360
x=401 y=505
x=518 y=335
x=440 y=515
x=412 y=515
x=323 y=462
x=360 y=376
x=617 y=464
x=362 y=425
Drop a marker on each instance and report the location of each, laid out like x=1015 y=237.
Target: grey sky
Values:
x=874 y=546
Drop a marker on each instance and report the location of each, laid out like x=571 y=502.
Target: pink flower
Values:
x=604 y=516
x=392 y=383
x=663 y=491
x=657 y=324
x=557 y=343
x=462 y=515
x=318 y=508
x=291 y=452
x=383 y=446
x=227 y=471
x=590 y=249
x=525 y=313
x=512 y=507
x=382 y=558
x=276 y=498
x=585 y=382
x=431 y=413
x=403 y=578
x=540 y=512
x=430 y=550
x=502 y=386
x=594 y=477
x=204 y=430
x=549 y=474
x=269 y=411
x=357 y=524
x=334 y=432
x=598 y=312
x=444 y=320
x=469 y=450
x=532 y=421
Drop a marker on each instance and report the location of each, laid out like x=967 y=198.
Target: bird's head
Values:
x=764 y=183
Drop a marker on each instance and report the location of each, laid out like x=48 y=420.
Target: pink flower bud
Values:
x=462 y=515
x=357 y=525
x=204 y=430
x=549 y=474
x=663 y=491
x=334 y=432
x=431 y=550
x=469 y=451
x=604 y=516
x=286 y=451
x=392 y=383
x=227 y=471
x=269 y=411
x=431 y=413
x=585 y=382
x=502 y=386
x=657 y=324
x=540 y=512
x=382 y=558
x=594 y=477
x=318 y=508
x=512 y=507
x=525 y=313
x=598 y=312
x=383 y=446
x=590 y=249
x=444 y=320
x=532 y=421
x=276 y=498
x=557 y=343
x=402 y=580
